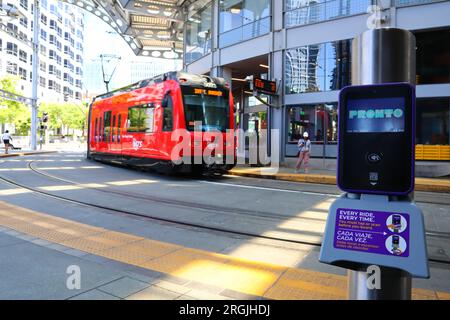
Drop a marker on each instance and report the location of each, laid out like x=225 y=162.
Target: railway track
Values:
x=172 y=202
x=182 y=204
x=202 y=206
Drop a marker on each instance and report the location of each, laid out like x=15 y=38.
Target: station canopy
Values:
x=151 y=28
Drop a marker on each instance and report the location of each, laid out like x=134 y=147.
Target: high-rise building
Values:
x=124 y=72
x=60 y=50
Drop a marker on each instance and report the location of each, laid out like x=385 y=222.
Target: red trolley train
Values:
x=134 y=125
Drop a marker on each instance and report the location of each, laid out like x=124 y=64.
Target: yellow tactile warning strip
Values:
x=422 y=184
x=244 y=276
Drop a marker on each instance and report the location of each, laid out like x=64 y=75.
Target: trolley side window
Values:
x=107 y=126
x=141 y=119
x=96 y=130
x=100 y=129
x=114 y=129
x=119 y=124
x=168 y=115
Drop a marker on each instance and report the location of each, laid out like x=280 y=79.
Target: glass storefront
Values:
x=319 y=67
x=320 y=121
x=242 y=20
x=301 y=12
x=433 y=56
x=433 y=121
x=198 y=35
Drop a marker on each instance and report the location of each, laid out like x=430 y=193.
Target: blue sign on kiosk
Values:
x=375 y=162
x=376 y=139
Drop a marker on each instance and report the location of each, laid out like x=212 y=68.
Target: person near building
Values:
x=304 y=148
x=6 y=140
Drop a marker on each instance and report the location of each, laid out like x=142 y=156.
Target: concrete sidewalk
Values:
x=328 y=177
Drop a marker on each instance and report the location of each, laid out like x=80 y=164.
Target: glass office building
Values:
x=305 y=45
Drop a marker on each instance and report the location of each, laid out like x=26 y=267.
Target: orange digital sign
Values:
x=265 y=86
x=215 y=93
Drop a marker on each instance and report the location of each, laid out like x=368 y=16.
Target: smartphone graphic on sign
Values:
x=397 y=222
x=395 y=244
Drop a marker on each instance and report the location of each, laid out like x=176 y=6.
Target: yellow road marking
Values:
x=245 y=276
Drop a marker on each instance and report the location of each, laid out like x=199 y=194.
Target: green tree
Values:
x=69 y=115
x=13 y=112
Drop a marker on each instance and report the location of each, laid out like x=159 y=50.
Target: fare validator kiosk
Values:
x=376 y=221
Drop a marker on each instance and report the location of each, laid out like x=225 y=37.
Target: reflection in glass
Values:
x=198 y=34
x=433 y=121
x=433 y=56
x=300 y=12
x=320 y=67
x=243 y=19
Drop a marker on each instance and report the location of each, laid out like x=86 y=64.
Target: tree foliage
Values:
x=69 y=115
x=14 y=112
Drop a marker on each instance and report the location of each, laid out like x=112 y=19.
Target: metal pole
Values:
x=394 y=285
x=35 y=76
x=382 y=56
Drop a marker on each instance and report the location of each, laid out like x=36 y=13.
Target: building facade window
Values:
x=198 y=34
x=22 y=73
x=433 y=56
x=319 y=67
x=12 y=28
x=11 y=68
x=11 y=48
x=241 y=20
x=43 y=50
x=43 y=66
x=44 y=19
x=301 y=12
x=42 y=82
x=43 y=35
x=51 y=84
x=405 y=3
x=23 y=56
x=433 y=121
x=24 y=22
x=24 y=4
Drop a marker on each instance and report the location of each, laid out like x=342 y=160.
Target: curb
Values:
x=422 y=184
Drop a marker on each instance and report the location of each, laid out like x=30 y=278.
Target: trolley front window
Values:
x=211 y=107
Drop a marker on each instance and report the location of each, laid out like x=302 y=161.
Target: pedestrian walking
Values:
x=6 y=140
x=304 y=148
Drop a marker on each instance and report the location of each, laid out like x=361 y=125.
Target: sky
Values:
x=100 y=38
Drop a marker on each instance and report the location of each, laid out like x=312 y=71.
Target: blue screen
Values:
x=376 y=115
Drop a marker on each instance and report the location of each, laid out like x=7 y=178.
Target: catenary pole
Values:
x=35 y=76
